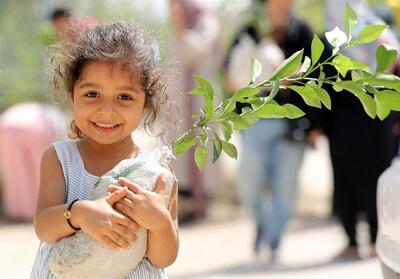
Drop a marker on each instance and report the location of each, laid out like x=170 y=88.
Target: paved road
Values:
x=218 y=248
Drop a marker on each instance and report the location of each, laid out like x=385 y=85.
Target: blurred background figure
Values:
x=26 y=130
x=361 y=148
x=196 y=50
x=272 y=150
x=60 y=18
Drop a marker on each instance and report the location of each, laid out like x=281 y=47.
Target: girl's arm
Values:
x=148 y=209
x=162 y=247
x=97 y=218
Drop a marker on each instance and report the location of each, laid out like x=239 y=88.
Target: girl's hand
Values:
x=99 y=220
x=146 y=208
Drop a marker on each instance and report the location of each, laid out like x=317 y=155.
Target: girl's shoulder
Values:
x=65 y=147
x=68 y=154
x=64 y=144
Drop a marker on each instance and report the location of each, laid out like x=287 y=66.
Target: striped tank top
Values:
x=79 y=184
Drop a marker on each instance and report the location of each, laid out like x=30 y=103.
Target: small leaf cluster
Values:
x=377 y=90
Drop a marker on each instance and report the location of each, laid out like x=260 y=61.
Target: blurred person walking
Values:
x=26 y=130
x=361 y=148
x=196 y=48
x=273 y=148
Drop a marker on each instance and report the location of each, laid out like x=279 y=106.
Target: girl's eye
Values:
x=92 y=94
x=125 y=97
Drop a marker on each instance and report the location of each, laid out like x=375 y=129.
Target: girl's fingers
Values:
x=116 y=196
x=160 y=184
x=130 y=185
x=125 y=209
x=119 y=239
x=129 y=196
x=126 y=233
x=108 y=242
x=125 y=221
x=112 y=188
x=127 y=202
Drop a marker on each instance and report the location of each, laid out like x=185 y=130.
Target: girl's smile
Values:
x=106 y=128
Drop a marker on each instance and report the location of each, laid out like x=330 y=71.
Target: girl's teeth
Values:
x=108 y=126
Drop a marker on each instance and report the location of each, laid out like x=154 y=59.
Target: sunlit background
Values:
x=217 y=246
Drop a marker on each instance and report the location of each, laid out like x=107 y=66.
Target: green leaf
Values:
x=217 y=146
x=200 y=156
x=389 y=98
x=368 y=103
x=256 y=70
x=245 y=92
x=336 y=38
x=343 y=64
x=321 y=77
x=305 y=66
x=276 y=111
x=292 y=111
x=183 y=145
x=229 y=104
x=197 y=91
x=229 y=149
x=324 y=97
x=370 y=34
x=206 y=86
x=271 y=111
x=384 y=79
x=356 y=88
x=352 y=86
x=317 y=47
x=244 y=121
x=350 y=20
x=227 y=129
x=386 y=56
x=289 y=66
x=273 y=92
x=209 y=108
x=356 y=75
x=309 y=95
x=382 y=108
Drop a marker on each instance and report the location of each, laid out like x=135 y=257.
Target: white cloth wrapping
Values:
x=80 y=256
x=388 y=201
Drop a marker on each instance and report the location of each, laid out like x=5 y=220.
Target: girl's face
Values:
x=108 y=103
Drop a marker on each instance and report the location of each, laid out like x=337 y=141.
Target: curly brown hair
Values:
x=124 y=43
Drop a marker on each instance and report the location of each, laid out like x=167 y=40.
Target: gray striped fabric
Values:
x=79 y=184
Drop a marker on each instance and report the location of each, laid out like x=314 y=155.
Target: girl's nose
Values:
x=106 y=109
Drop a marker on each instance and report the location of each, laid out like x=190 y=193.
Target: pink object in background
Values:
x=26 y=130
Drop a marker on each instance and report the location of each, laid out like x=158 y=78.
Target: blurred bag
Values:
x=266 y=52
x=388 y=202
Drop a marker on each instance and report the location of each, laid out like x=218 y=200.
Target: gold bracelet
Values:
x=68 y=215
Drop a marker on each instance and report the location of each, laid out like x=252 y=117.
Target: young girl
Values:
x=110 y=74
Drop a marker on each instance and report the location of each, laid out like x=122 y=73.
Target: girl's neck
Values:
x=121 y=150
x=100 y=158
